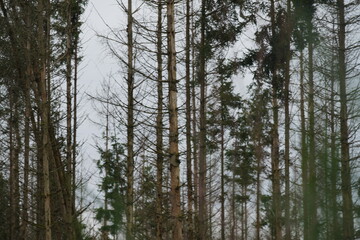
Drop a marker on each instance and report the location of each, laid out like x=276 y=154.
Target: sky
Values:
x=96 y=66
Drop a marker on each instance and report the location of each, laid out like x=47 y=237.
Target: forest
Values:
x=224 y=120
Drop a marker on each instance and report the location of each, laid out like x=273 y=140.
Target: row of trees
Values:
x=183 y=154
x=39 y=60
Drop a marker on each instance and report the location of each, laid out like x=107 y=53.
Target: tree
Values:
x=113 y=185
x=130 y=128
x=173 y=124
x=348 y=222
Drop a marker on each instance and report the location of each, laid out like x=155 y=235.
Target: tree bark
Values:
x=275 y=155
x=202 y=138
x=159 y=129
x=130 y=130
x=335 y=230
x=347 y=205
x=304 y=150
x=173 y=124
x=222 y=162
x=287 y=122
x=313 y=228
x=45 y=113
x=69 y=165
x=188 y=128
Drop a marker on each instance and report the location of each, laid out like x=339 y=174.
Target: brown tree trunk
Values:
x=173 y=124
x=287 y=123
x=45 y=113
x=14 y=163
x=304 y=150
x=70 y=232
x=347 y=205
x=258 y=148
x=130 y=130
x=275 y=155
x=159 y=129
x=222 y=195
x=74 y=144
x=335 y=229
x=313 y=228
x=202 y=138
x=188 y=128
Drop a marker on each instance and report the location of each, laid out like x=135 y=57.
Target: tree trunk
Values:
x=70 y=232
x=275 y=155
x=258 y=148
x=313 y=228
x=335 y=232
x=287 y=123
x=14 y=163
x=202 y=137
x=159 y=130
x=130 y=130
x=222 y=162
x=347 y=205
x=188 y=128
x=173 y=124
x=304 y=150
x=45 y=113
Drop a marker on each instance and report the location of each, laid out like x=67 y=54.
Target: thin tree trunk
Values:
x=304 y=150
x=130 y=130
x=173 y=124
x=313 y=229
x=202 y=138
x=222 y=162
x=347 y=206
x=188 y=128
x=194 y=138
x=76 y=63
x=335 y=232
x=233 y=218
x=287 y=124
x=275 y=155
x=25 y=204
x=159 y=130
x=70 y=232
x=259 y=156
x=105 y=233
x=45 y=113
x=14 y=164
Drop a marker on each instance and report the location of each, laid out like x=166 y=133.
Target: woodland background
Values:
x=231 y=119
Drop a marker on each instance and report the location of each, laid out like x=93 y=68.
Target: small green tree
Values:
x=113 y=185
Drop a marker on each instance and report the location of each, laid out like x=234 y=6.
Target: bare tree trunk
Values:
x=25 y=204
x=222 y=196
x=202 y=138
x=159 y=130
x=287 y=124
x=334 y=164
x=313 y=229
x=14 y=164
x=195 y=157
x=188 y=128
x=304 y=150
x=70 y=232
x=130 y=130
x=173 y=122
x=45 y=113
x=347 y=206
x=76 y=63
x=259 y=158
x=275 y=155
x=233 y=207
